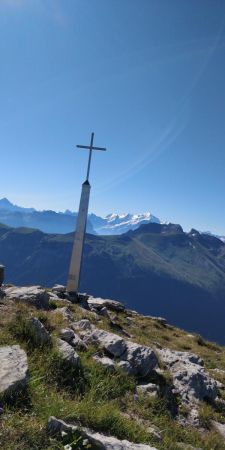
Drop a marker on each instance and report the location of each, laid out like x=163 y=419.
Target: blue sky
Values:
x=147 y=76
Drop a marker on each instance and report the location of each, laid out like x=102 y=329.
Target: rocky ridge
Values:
x=103 y=331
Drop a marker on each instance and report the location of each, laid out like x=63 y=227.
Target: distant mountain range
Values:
x=65 y=222
x=157 y=269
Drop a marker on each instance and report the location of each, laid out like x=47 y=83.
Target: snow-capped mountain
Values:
x=121 y=223
x=64 y=222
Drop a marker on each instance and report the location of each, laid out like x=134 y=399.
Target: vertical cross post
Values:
x=78 y=245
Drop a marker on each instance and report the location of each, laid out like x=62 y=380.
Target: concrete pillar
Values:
x=77 y=252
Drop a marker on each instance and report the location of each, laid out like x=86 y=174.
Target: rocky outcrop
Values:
x=40 y=336
x=33 y=295
x=97 y=440
x=134 y=359
x=142 y=360
x=67 y=353
x=68 y=335
x=99 y=303
x=13 y=369
x=110 y=342
x=190 y=379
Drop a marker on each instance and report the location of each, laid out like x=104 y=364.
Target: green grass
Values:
x=93 y=397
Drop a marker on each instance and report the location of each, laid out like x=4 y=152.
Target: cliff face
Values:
x=93 y=374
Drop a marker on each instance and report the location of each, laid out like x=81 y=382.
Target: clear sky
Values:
x=147 y=76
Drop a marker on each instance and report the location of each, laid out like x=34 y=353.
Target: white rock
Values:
x=170 y=357
x=97 y=440
x=40 y=335
x=34 y=295
x=110 y=342
x=13 y=368
x=105 y=362
x=99 y=303
x=142 y=359
x=68 y=353
x=68 y=335
x=190 y=379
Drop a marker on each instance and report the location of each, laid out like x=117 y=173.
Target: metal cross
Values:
x=90 y=147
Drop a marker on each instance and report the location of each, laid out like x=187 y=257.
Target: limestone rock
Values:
x=40 y=335
x=142 y=359
x=110 y=342
x=68 y=353
x=190 y=379
x=32 y=295
x=99 y=303
x=13 y=368
x=97 y=440
x=68 y=335
x=170 y=357
x=149 y=389
x=135 y=359
x=105 y=362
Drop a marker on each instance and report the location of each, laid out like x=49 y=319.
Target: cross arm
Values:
x=91 y=148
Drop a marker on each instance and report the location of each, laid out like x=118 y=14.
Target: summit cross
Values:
x=90 y=148
x=78 y=245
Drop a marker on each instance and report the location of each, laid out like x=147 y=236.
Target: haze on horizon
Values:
x=147 y=77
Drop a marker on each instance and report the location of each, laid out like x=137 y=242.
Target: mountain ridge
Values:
x=157 y=268
x=50 y=221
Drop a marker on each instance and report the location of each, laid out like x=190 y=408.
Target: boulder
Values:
x=13 y=369
x=96 y=440
x=99 y=303
x=40 y=335
x=110 y=342
x=141 y=359
x=105 y=362
x=68 y=335
x=67 y=353
x=135 y=359
x=190 y=379
x=170 y=357
x=32 y=295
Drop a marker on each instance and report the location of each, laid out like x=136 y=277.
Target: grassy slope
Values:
x=91 y=396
